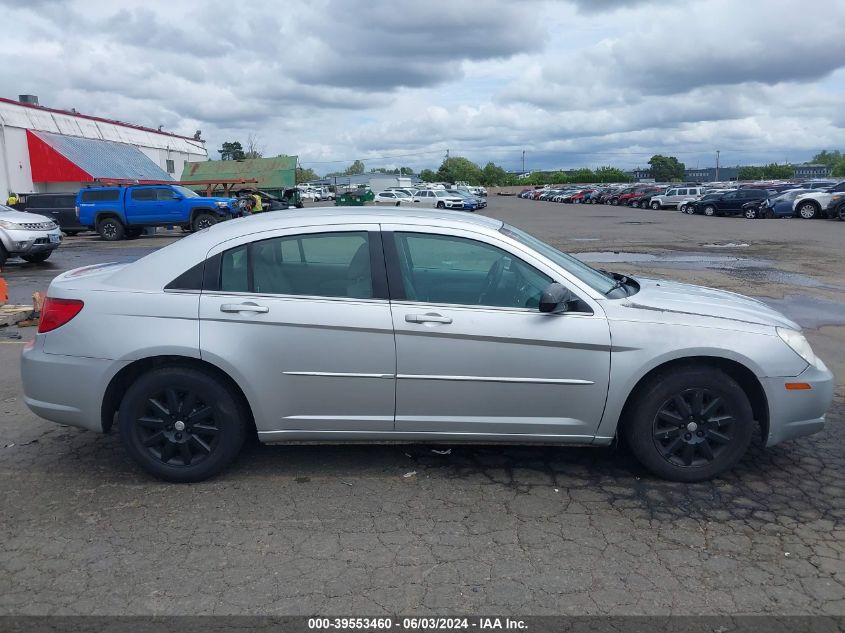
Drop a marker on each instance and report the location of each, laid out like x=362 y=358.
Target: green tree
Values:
x=830 y=159
x=773 y=171
x=231 y=151
x=459 y=169
x=355 y=169
x=493 y=175
x=305 y=175
x=666 y=168
x=427 y=175
x=582 y=175
x=750 y=172
x=839 y=169
x=611 y=174
x=406 y=171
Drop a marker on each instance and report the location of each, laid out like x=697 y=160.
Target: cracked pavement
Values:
x=525 y=530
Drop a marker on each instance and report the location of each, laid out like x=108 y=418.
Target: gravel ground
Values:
x=523 y=530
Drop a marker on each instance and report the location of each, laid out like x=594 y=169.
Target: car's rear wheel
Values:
x=808 y=210
x=709 y=211
x=37 y=258
x=203 y=221
x=111 y=229
x=689 y=424
x=840 y=214
x=4 y=255
x=181 y=424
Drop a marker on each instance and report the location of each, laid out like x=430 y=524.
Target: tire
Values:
x=655 y=205
x=709 y=211
x=614 y=201
x=681 y=438
x=440 y=205
x=149 y=424
x=111 y=229
x=3 y=256
x=808 y=210
x=203 y=221
x=750 y=214
x=840 y=214
x=37 y=258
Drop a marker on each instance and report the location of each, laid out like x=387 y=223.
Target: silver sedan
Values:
x=391 y=325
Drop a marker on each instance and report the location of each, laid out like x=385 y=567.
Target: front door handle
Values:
x=427 y=318
x=243 y=307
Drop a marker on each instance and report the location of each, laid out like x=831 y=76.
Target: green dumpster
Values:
x=354 y=198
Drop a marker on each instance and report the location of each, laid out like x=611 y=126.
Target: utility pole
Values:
x=523 y=162
x=717 y=165
x=447 y=154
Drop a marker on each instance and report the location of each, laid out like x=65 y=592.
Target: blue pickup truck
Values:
x=124 y=211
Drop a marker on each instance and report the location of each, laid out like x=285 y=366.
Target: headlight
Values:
x=798 y=343
x=222 y=205
x=8 y=225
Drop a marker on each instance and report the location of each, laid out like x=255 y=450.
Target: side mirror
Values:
x=177 y=196
x=555 y=298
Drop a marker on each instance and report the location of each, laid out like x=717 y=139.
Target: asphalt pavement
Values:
x=404 y=529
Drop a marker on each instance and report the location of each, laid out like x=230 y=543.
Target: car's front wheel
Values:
x=181 y=424
x=203 y=221
x=751 y=213
x=655 y=205
x=37 y=258
x=689 y=424
x=808 y=210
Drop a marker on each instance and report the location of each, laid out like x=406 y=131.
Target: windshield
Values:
x=186 y=192
x=597 y=280
x=401 y=194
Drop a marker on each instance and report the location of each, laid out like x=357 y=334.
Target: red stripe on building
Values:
x=49 y=166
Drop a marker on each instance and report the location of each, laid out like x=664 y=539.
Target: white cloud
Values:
x=581 y=82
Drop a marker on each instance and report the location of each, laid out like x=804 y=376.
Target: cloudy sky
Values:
x=398 y=82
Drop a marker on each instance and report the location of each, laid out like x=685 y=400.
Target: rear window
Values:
x=100 y=195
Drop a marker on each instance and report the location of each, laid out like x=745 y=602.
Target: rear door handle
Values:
x=243 y=307
x=427 y=318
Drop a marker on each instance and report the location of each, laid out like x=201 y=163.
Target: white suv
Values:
x=31 y=237
x=815 y=203
x=676 y=196
x=439 y=198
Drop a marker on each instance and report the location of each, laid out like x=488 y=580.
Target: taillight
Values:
x=56 y=312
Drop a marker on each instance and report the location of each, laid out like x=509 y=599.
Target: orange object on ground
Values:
x=4 y=291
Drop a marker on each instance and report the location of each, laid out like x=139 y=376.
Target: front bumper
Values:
x=795 y=414
x=27 y=241
x=52 y=385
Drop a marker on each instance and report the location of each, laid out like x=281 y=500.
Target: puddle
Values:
x=728 y=245
x=584 y=239
x=809 y=312
x=746 y=268
x=662 y=258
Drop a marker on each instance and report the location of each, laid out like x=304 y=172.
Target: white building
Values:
x=45 y=149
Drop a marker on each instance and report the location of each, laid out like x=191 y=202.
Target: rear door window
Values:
x=143 y=195
x=100 y=195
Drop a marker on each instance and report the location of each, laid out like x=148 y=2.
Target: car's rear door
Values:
x=141 y=205
x=475 y=357
x=301 y=319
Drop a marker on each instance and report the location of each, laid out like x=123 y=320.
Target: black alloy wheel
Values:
x=181 y=424
x=111 y=229
x=690 y=424
x=693 y=428
x=203 y=221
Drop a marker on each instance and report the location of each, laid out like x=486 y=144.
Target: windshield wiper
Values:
x=620 y=283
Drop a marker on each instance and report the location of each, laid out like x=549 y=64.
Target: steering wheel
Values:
x=494 y=276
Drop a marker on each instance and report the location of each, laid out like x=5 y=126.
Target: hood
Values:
x=673 y=297
x=21 y=217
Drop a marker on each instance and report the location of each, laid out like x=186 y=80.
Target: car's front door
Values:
x=169 y=206
x=301 y=319
x=475 y=357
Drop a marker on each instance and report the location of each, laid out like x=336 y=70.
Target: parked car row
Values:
x=458 y=199
x=761 y=200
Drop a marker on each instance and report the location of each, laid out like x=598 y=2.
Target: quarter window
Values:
x=456 y=270
x=144 y=195
x=318 y=264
